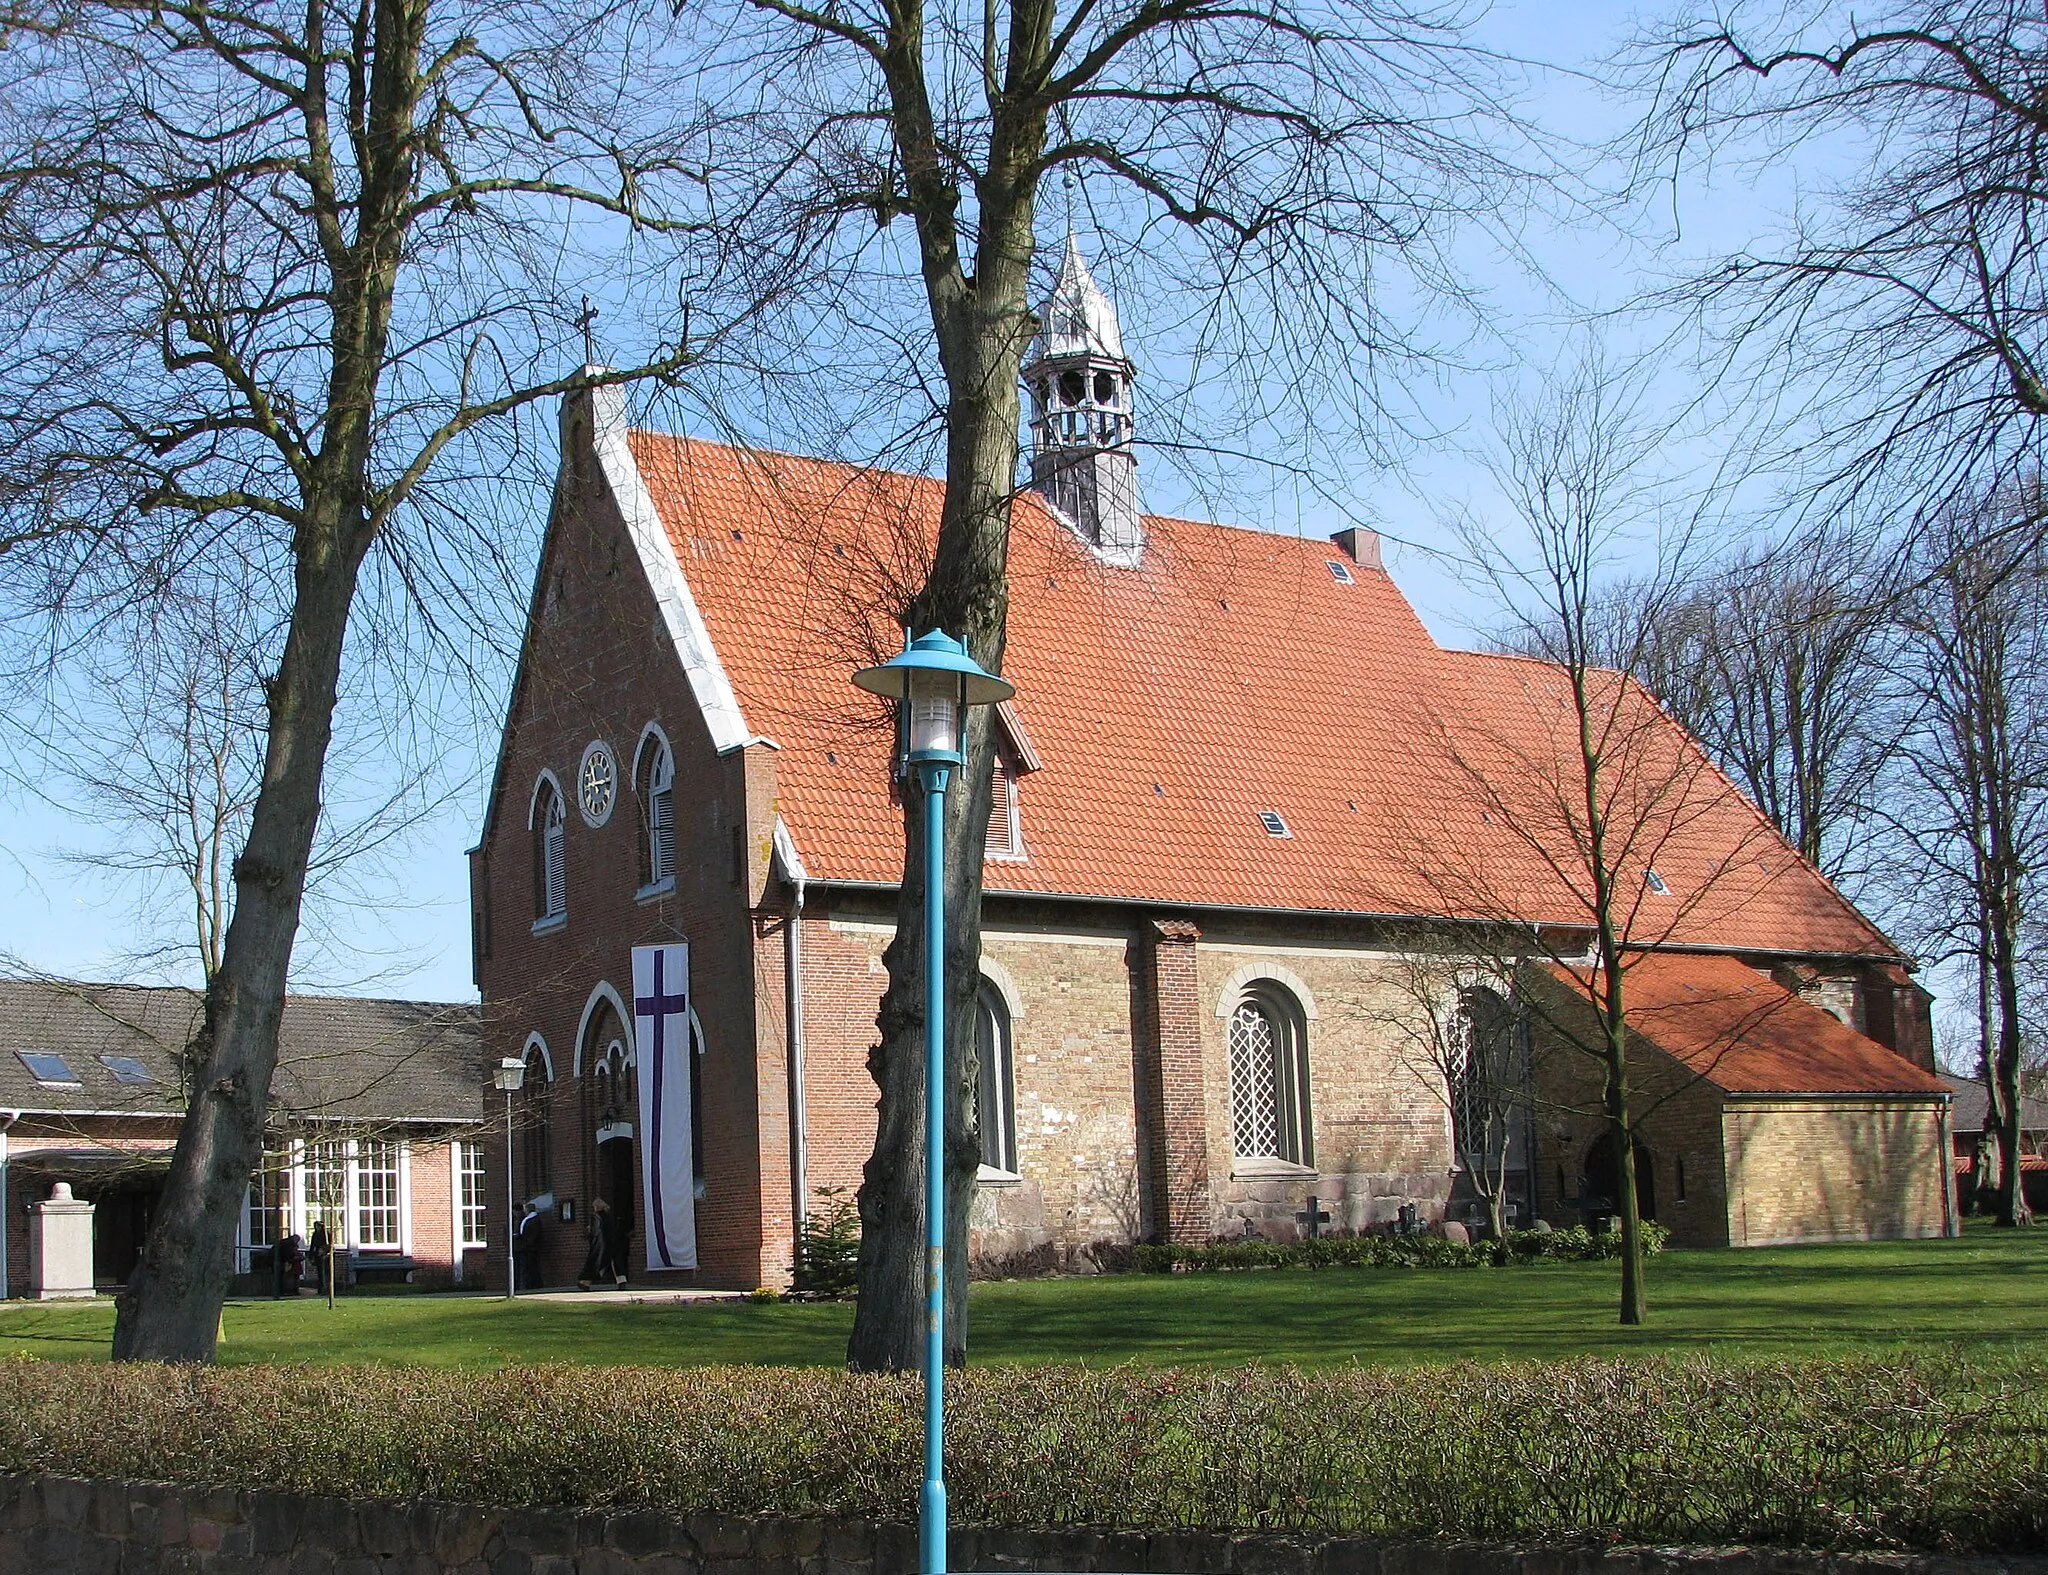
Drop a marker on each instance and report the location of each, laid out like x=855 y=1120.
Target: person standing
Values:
x=319 y=1252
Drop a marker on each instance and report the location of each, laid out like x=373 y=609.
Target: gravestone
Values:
x=1454 y=1232
x=60 y=1246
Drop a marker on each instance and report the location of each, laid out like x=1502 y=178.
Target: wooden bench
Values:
x=378 y=1268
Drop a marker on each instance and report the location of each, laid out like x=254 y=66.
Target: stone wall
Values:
x=67 y=1526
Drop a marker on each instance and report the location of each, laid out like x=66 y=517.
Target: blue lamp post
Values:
x=934 y=681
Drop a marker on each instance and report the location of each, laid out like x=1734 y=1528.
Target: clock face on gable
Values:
x=597 y=784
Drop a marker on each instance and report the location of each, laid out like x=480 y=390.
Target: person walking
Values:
x=604 y=1261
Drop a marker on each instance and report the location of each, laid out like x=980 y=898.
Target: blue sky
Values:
x=411 y=937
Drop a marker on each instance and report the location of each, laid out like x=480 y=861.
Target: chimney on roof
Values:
x=1360 y=545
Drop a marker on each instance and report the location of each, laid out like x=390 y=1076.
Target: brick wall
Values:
x=433 y=1207
x=1679 y=1128
x=1838 y=1171
x=66 y=1524
x=1121 y=1036
x=1755 y=1171
x=594 y=668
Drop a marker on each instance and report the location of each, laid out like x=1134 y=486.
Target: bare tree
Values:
x=1907 y=300
x=1973 y=801
x=1289 y=159
x=1605 y=830
x=1775 y=662
x=1455 y=1023
x=274 y=274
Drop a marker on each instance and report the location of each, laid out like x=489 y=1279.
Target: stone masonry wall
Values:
x=1381 y=1127
x=67 y=1526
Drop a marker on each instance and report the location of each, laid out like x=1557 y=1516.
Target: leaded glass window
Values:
x=1269 y=1079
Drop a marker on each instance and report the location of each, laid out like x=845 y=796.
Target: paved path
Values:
x=638 y=1295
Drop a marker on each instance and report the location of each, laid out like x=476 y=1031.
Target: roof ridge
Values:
x=865 y=468
x=62 y=982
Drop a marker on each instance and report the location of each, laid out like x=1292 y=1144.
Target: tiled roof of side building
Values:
x=1746 y=1034
x=1233 y=673
x=1973 y=1103
x=341 y=1058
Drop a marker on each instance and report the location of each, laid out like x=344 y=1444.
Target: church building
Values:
x=1240 y=790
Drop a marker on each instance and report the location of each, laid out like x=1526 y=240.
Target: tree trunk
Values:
x=1634 y=1305
x=984 y=327
x=170 y=1310
x=2008 y=1109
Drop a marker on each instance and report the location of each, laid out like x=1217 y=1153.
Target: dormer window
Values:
x=1014 y=760
x=1005 y=824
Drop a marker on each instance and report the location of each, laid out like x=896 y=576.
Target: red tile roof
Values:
x=1746 y=1034
x=1170 y=704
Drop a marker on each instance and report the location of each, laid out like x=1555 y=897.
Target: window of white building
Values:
x=469 y=1164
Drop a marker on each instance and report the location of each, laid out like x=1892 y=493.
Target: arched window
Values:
x=1484 y=1085
x=550 y=871
x=654 y=780
x=534 y=1119
x=1269 y=1077
x=995 y=1090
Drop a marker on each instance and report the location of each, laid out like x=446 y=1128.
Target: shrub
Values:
x=1845 y=1454
x=828 y=1249
x=1392 y=1252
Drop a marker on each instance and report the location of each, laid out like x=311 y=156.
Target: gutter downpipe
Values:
x=7 y=1120
x=793 y=981
x=1951 y=1224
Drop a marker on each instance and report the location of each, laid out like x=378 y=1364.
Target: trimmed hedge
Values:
x=1576 y=1244
x=1846 y=1454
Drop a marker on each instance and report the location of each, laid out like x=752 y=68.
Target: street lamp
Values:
x=506 y=1078
x=933 y=682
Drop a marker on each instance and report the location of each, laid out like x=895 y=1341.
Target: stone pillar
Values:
x=1174 y=1098
x=60 y=1246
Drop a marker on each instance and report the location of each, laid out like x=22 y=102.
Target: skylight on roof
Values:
x=127 y=1069
x=1275 y=826
x=1341 y=572
x=52 y=1071
x=1656 y=884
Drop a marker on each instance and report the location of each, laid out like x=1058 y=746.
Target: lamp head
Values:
x=508 y=1074
x=933 y=682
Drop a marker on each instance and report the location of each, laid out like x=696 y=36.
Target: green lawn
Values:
x=1988 y=1291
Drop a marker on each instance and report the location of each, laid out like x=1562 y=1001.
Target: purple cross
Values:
x=660 y=1006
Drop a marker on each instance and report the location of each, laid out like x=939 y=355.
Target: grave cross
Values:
x=1314 y=1217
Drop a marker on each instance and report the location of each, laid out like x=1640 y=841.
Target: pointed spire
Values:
x=1077 y=318
x=1079 y=381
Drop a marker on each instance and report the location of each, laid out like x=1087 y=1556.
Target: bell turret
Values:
x=1079 y=382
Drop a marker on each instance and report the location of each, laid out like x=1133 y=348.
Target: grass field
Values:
x=1987 y=1291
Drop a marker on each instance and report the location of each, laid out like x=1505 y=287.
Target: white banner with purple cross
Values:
x=661 y=1033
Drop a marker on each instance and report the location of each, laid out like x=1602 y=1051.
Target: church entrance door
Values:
x=1602 y=1183
x=618 y=1183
